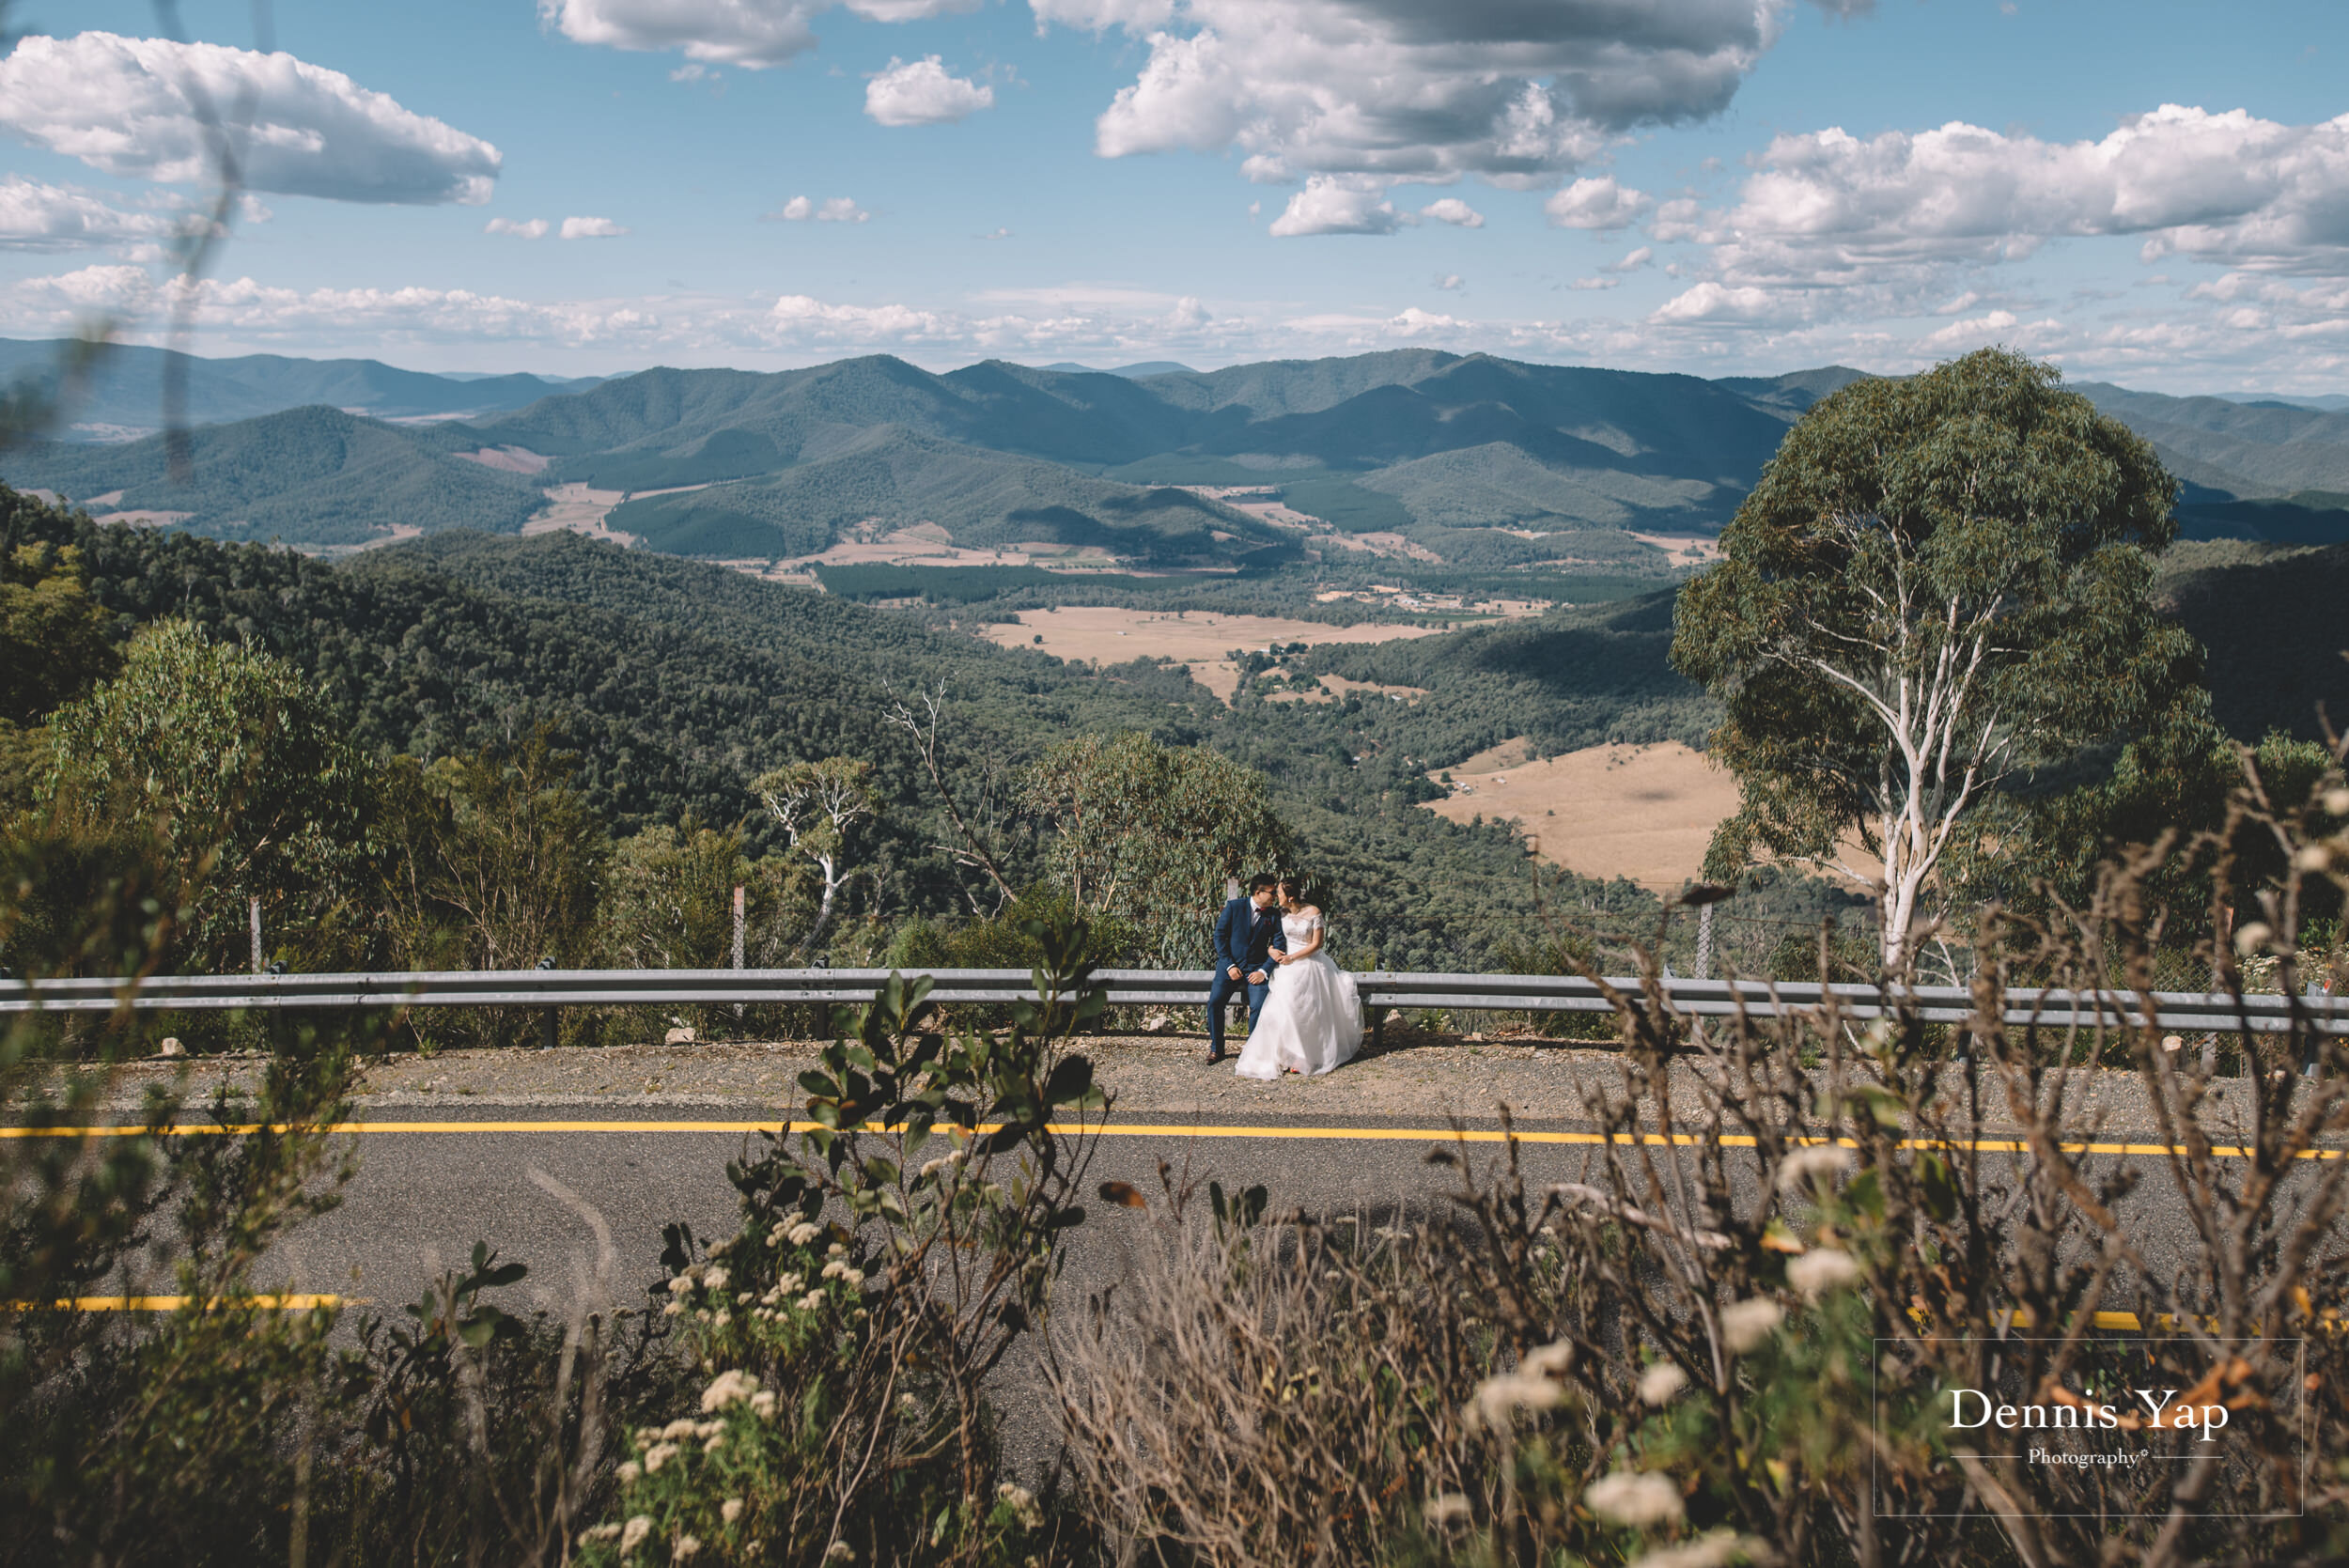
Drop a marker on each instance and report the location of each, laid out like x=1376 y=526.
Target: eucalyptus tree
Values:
x=1149 y=833
x=818 y=805
x=1941 y=583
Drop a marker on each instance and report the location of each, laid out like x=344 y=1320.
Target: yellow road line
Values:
x=1162 y=1130
x=166 y=1303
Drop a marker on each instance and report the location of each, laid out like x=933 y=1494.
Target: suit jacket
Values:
x=1245 y=936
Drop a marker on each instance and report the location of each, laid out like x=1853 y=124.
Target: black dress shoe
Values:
x=1215 y=1057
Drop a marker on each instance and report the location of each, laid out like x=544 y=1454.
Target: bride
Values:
x=1313 y=1018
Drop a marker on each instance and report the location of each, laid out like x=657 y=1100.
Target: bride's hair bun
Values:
x=1292 y=886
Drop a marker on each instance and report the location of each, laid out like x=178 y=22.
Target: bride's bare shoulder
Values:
x=1313 y=909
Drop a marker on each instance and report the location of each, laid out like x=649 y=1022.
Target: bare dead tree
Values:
x=922 y=726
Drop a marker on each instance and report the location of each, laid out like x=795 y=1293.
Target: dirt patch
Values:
x=1469 y=1068
x=508 y=459
x=582 y=510
x=1196 y=639
x=926 y=544
x=1382 y=544
x=1642 y=812
x=143 y=517
x=1339 y=687
x=1684 y=549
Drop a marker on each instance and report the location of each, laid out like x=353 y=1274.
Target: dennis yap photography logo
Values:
x=2125 y=1424
x=1977 y=1410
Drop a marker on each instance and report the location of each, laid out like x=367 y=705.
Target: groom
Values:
x=1246 y=935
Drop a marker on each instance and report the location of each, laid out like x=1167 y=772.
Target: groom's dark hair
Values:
x=1257 y=884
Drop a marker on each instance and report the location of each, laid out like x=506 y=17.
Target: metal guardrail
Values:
x=2198 y=1012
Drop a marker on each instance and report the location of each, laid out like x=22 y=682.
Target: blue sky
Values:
x=1717 y=186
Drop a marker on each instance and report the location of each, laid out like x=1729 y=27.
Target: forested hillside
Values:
x=893 y=479
x=311 y=476
x=677 y=684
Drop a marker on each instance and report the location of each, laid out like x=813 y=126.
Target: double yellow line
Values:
x=1164 y=1129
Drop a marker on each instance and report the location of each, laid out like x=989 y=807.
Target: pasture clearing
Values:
x=1198 y=640
x=1642 y=812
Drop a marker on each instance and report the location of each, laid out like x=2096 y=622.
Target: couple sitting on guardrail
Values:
x=1304 y=1015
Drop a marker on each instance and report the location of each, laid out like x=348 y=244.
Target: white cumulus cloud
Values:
x=37 y=216
x=1452 y=209
x=1328 y=205
x=920 y=92
x=528 y=228
x=131 y=107
x=1595 y=203
x=751 y=34
x=2227 y=186
x=832 y=209
x=591 y=229
x=1513 y=91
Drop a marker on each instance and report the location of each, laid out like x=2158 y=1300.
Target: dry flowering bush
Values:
x=1739 y=1332
x=885 y=1267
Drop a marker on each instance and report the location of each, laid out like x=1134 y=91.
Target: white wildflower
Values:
x=2251 y=935
x=684 y=1426
x=721 y=1319
x=599 y=1532
x=852 y=1277
x=840 y=1551
x=1718 y=1548
x=811 y=1302
x=1547 y=1360
x=1745 y=1326
x=837 y=1250
x=836 y=1268
x=763 y=1403
x=658 y=1455
x=791 y=1284
x=714 y=1444
x=685 y=1546
x=1661 y=1382
x=629 y=1471
x=708 y=1429
x=633 y=1536
x=675 y=1309
x=1448 y=1508
x=1824 y=1160
x=803 y=1233
x=1821 y=1270
x=730 y=1510
x=715 y=1279
x=742 y=1298
x=682 y=1285
x=1640 y=1498
x=1023 y=1504
x=2337 y=801
x=726 y=1388
x=1499 y=1398
x=907 y=1405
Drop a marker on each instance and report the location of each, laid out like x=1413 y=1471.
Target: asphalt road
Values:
x=431 y=1183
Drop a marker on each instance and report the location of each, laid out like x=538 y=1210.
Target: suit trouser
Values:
x=1219 y=996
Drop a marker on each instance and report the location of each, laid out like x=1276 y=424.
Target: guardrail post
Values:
x=255 y=910
x=547 y=1023
x=1704 y=942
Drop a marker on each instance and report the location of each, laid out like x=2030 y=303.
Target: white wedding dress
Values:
x=1311 y=1019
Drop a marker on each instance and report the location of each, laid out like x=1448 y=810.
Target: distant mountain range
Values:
x=125 y=396
x=1416 y=456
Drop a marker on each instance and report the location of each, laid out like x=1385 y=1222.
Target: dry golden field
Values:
x=1198 y=638
x=1642 y=812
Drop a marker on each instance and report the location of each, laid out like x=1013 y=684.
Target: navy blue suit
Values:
x=1245 y=937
